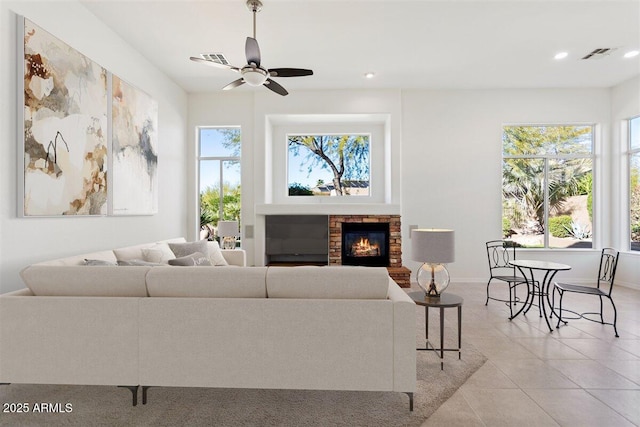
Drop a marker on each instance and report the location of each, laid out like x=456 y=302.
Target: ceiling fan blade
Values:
x=252 y=50
x=290 y=72
x=270 y=84
x=233 y=84
x=214 y=64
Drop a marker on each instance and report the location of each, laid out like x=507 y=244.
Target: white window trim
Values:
x=625 y=204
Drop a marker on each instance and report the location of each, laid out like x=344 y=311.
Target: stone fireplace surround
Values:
x=397 y=271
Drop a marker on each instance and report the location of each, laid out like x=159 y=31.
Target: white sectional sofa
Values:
x=317 y=328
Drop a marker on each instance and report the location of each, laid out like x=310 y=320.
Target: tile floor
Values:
x=579 y=375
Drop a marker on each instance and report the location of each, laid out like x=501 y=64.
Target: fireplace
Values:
x=365 y=244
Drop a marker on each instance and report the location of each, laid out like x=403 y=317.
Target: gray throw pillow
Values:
x=184 y=249
x=99 y=262
x=138 y=263
x=197 y=259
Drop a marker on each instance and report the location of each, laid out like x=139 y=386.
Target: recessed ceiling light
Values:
x=632 y=53
x=561 y=55
x=369 y=75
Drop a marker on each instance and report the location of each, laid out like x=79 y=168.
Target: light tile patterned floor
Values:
x=579 y=375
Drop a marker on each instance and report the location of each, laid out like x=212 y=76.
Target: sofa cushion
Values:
x=343 y=282
x=100 y=262
x=45 y=280
x=139 y=263
x=160 y=253
x=196 y=259
x=203 y=282
x=127 y=253
x=215 y=254
x=184 y=249
x=80 y=259
x=131 y=252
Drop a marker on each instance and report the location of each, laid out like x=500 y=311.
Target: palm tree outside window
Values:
x=547 y=185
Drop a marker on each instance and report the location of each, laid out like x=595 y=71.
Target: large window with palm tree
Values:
x=547 y=185
x=634 y=184
x=219 y=177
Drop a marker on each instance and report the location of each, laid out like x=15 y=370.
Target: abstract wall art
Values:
x=65 y=128
x=134 y=135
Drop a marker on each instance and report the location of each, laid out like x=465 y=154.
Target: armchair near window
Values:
x=603 y=288
x=499 y=254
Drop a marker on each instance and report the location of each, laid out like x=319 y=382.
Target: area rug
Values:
x=172 y=406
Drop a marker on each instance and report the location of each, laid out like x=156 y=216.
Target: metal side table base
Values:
x=444 y=301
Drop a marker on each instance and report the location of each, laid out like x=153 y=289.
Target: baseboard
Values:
x=630 y=285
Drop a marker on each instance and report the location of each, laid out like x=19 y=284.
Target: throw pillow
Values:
x=184 y=249
x=197 y=259
x=138 y=263
x=129 y=253
x=159 y=253
x=215 y=254
x=99 y=262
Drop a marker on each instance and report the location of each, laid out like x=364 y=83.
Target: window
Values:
x=547 y=186
x=219 y=177
x=634 y=182
x=379 y=164
x=328 y=165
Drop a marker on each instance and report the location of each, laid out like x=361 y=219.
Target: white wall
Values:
x=27 y=240
x=625 y=103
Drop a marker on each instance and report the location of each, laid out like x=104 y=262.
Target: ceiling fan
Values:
x=254 y=74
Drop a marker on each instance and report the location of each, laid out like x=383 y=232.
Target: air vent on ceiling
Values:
x=599 y=53
x=215 y=57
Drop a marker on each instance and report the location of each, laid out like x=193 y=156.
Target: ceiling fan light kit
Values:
x=253 y=73
x=254 y=76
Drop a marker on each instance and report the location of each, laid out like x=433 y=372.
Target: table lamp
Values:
x=227 y=232
x=434 y=248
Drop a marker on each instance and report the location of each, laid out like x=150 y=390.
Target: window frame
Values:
x=546 y=159
x=221 y=159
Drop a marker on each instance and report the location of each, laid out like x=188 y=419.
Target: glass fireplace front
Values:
x=365 y=244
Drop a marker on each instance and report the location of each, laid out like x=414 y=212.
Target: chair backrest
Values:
x=499 y=253
x=608 y=266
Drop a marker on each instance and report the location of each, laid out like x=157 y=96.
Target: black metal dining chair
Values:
x=602 y=289
x=499 y=253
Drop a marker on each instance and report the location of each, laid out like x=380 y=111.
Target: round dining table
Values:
x=540 y=290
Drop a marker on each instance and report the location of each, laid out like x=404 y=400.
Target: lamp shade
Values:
x=432 y=245
x=228 y=229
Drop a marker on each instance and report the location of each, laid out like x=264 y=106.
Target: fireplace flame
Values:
x=365 y=248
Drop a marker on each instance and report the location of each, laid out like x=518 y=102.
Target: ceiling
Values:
x=448 y=44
